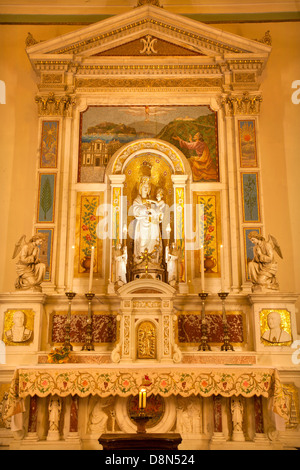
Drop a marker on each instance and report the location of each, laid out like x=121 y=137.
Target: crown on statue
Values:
x=146 y=169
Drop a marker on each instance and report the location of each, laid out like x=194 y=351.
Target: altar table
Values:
x=151 y=441
x=125 y=380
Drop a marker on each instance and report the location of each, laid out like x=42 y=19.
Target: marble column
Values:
x=260 y=436
x=32 y=419
x=179 y=186
x=118 y=218
x=73 y=428
x=218 y=434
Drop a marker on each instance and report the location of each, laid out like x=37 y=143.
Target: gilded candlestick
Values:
x=203 y=346
x=67 y=343
x=88 y=345
x=226 y=346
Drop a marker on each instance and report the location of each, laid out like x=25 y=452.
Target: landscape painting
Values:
x=105 y=129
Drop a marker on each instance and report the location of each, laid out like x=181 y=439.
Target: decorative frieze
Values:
x=148 y=84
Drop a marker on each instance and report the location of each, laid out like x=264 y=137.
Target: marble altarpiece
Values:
x=149 y=153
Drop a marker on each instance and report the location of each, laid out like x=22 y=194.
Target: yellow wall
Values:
x=278 y=142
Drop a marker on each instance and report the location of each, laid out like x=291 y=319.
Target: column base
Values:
x=238 y=436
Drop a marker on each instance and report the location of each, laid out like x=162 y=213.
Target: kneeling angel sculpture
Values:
x=29 y=268
x=263 y=267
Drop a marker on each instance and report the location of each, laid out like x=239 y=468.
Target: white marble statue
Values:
x=237 y=414
x=120 y=257
x=171 y=258
x=97 y=423
x=275 y=334
x=18 y=332
x=148 y=215
x=188 y=415
x=263 y=267
x=54 y=408
x=29 y=268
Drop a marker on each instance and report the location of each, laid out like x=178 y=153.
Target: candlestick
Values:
x=141 y=420
x=91 y=269
x=67 y=343
x=222 y=267
x=88 y=346
x=202 y=267
x=204 y=346
x=226 y=346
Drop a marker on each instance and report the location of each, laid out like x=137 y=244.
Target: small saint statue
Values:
x=263 y=267
x=237 y=414
x=120 y=258
x=171 y=258
x=54 y=409
x=30 y=269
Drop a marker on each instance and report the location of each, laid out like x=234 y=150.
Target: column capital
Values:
x=117 y=180
x=179 y=180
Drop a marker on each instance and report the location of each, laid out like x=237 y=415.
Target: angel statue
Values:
x=263 y=267
x=29 y=268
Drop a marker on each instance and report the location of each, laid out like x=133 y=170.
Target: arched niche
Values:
x=161 y=149
x=168 y=170
x=146 y=288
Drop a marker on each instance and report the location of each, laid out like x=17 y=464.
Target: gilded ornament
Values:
x=52 y=105
x=146 y=340
x=30 y=41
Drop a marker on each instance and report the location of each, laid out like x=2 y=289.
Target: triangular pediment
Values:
x=149 y=45
x=148 y=35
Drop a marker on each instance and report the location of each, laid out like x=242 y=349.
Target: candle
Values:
x=72 y=269
x=222 y=267
x=142 y=398
x=124 y=231
x=202 y=267
x=168 y=230
x=91 y=269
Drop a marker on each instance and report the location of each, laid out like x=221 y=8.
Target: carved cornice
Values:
x=198 y=57
x=241 y=104
x=52 y=105
x=157 y=26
